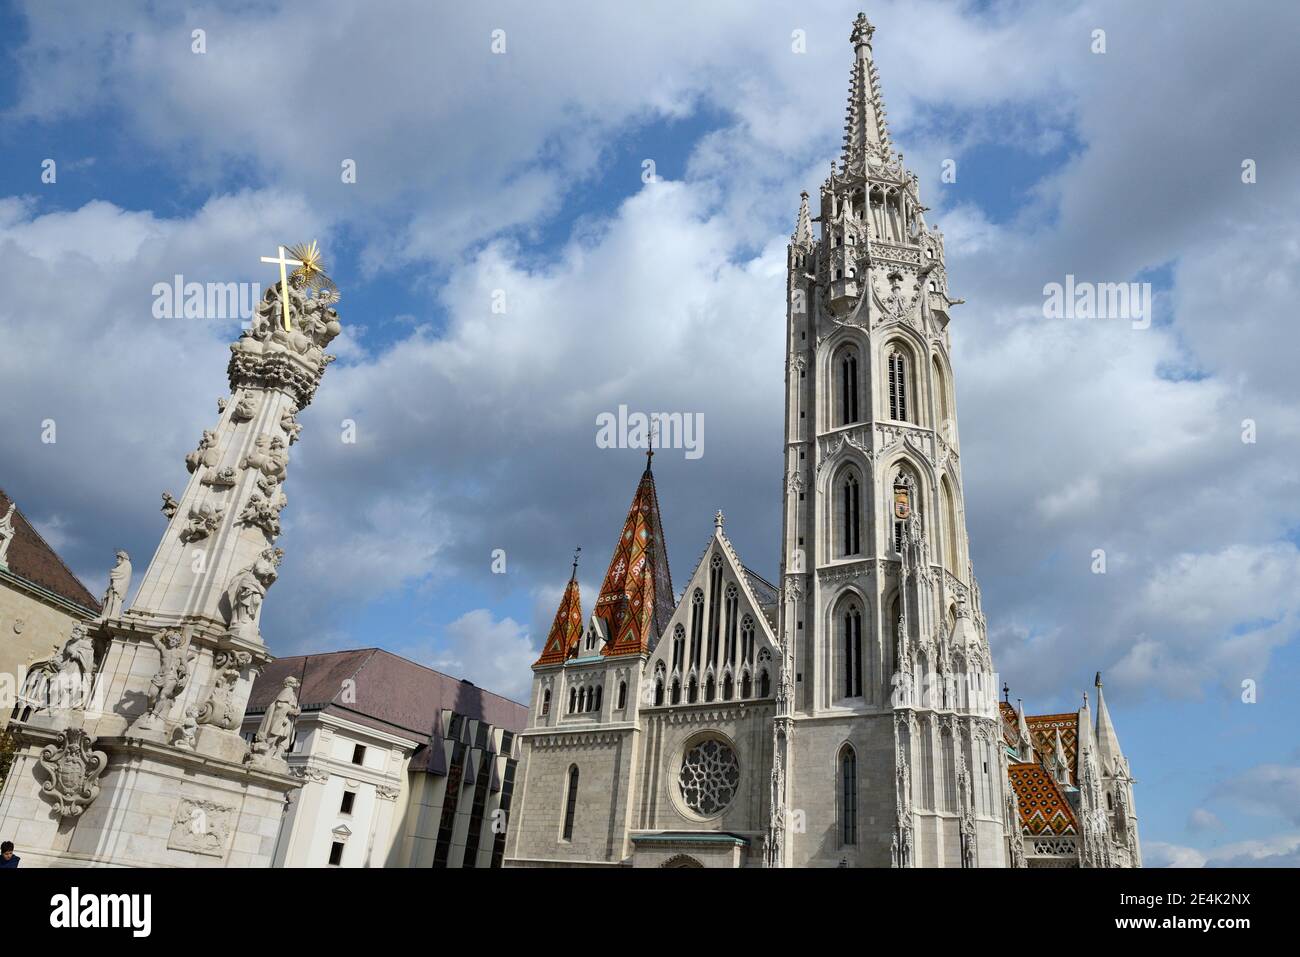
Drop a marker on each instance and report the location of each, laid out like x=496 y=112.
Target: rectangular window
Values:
x=349 y=798
x=359 y=754
x=336 y=853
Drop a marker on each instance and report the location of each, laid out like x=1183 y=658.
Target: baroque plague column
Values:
x=143 y=764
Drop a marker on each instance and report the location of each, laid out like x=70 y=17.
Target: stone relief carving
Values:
x=269 y=455
x=264 y=506
x=275 y=732
x=169 y=505
x=245 y=409
x=203 y=521
x=73 y=766
x=246 y=591
x=224 y=477
x=201 y=827
x=221 y=709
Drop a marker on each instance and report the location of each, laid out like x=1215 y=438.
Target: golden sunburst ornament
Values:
x=310 y=273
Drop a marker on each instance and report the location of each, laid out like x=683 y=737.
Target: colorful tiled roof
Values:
x=566 y=630
x=1009 y=720
x=1042 y=731
x=636 y=599
x=1043 y=808
x=33 y=560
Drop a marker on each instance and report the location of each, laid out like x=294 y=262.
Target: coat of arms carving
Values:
x=73 y=766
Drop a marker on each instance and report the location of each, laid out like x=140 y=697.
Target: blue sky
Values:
x=522 y=172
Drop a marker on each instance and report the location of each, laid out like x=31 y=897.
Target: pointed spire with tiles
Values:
x=636 y=599
x=566 y=630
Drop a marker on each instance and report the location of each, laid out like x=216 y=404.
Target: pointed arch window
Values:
x=747 y=639
x=622 y=695
x=679 y=647
x=571 y=803
x=715 y=602
x=573 y=700
x=595 y=700
x=850 y=509
x=746 y=686
x=851 y=638
x=728 y=687
x=729 y=630
x=848 y=387
x=697 y=625
x=693 y=690
x=848 y=796
x=582 y=699
x=546 y=702
x=764 y=684
x=899 y=385
x=951 y=559
x=710 y=688
x=677 y=691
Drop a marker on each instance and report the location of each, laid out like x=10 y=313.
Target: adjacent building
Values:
x=402 y=766
x=40 y=600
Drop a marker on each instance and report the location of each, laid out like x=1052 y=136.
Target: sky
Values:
x=509 y=272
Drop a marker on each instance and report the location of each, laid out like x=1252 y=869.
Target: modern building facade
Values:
x=402 y=766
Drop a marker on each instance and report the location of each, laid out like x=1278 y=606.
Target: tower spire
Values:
x=803 y=235
x=1107 y=740
x=865 y=129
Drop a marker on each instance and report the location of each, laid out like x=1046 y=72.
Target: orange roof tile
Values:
x=636 y=599
x=566 y=630
x=1043 y=808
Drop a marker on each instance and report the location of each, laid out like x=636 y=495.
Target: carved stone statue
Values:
x=276 y=730
x=223 y=477
x=189 y=728
x=289 y=423
x=173 y=674
x=264 y=506
x=76 y=669
x=205 y=454
x=169 y=506
x=73 y=765
x=119 y=581
x=6 y=532
x=35 y=692
x=246 y=592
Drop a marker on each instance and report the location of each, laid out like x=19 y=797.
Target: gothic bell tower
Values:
x=890 y=682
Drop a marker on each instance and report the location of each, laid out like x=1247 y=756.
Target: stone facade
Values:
x=847 y=717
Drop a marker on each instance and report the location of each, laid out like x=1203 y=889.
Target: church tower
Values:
x=887 y=748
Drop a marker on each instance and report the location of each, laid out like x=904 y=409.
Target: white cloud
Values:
x=494 y=654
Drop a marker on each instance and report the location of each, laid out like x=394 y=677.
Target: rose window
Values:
x=709 y=776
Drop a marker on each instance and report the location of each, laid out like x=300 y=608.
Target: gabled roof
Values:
x=31 y=559
x=636 y=599
x=380 y=690
x=1043 y=807
x=566 y=630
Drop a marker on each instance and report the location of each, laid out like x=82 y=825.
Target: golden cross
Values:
x=284 y=281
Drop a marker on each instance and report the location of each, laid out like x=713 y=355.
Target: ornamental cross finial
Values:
x=283 y=261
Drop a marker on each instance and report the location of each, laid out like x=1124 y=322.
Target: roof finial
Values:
x=650 y=446
x=1097 y=682
x=576 y=552
x=718 y=520
x=1006 y=692
x=862 y=31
